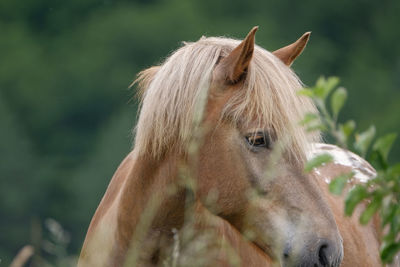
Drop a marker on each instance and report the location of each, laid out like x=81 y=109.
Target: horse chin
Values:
x=275 y=259
x=266 y=249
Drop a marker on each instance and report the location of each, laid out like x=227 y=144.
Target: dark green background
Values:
x=66 y=111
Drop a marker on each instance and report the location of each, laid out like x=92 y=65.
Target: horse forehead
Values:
x=363 y=171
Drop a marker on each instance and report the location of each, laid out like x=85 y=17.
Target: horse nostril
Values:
x=286 y=252
x=286 y=255
x=315 y=253
x=323 y=260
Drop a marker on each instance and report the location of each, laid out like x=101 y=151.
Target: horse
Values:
x=219 y=121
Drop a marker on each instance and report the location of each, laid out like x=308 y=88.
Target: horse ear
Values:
x=237 y=62
x=289 y=53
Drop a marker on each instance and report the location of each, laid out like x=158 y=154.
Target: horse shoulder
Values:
x=357 y=239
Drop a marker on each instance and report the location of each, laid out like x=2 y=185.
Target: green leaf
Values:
x=316 y=127
x=306 y=92
x=384 y=144
x=317 y=161
x=347 y=128
x=309 y=117
x=394 y=170
x=355 y=196
x=344 y=132
x=377 y=161
x=391 y=235
x=320 y=82
x=363 y=140
x=339 y=182
x=337 y=101
x=332 y=82
x=388 y=251
x=370 y=210
x=320 y=92
x=394 y=227
x=324 y=86
x=388 y=213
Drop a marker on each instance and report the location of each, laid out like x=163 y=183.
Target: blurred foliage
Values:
x=381 y=194
x=66 y=65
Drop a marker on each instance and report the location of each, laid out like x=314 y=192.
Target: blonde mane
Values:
x=170 y=93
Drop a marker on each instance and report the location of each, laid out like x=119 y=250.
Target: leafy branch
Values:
x=382 y=192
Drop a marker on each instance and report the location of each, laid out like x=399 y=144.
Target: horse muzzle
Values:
x=314 y=253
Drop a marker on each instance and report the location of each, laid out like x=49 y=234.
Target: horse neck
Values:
x=150 y=180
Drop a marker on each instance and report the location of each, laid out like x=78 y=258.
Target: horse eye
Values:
x=258 y=139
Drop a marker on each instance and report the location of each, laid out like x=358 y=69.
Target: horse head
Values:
x=251 y=150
